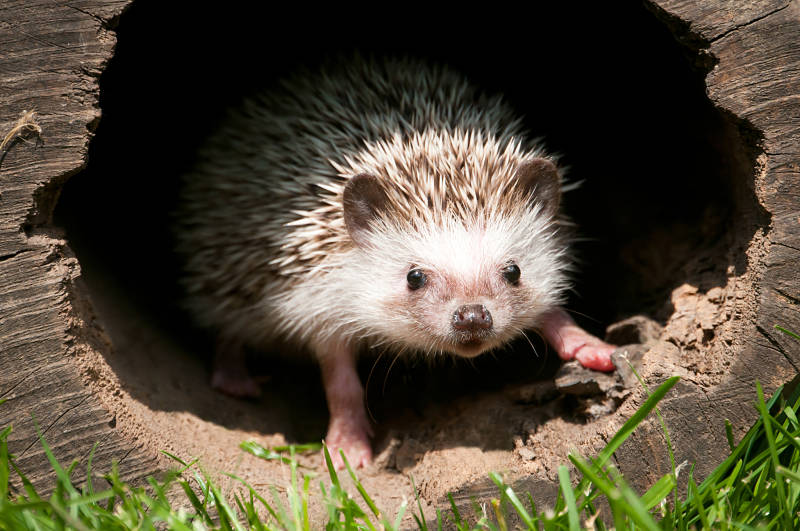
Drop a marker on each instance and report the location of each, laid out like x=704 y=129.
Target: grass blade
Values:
x=498 y=513
x=659 y=491
x=569 y=498
x=697 y=500
x=257 y=496
x=779 y=482
x=298 y=448
x=634 y=507
x=423 y=525
x=360 y=487
x=508 y=492
x=787 y=332
x=331 y=470
x=402 y=511
x=457 y=520
x=5 y=469
x=306 y=483
x=195 y=501
x=266 y=454
x=729 y=434
x=636 y=419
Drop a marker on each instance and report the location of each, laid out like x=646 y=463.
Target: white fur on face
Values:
x=364 y=293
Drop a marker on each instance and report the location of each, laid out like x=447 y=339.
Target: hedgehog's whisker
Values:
x=575 y=312
x=544 y=340
x=523 y=334
x=386 y=377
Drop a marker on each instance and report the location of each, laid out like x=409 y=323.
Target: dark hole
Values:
x=663 y=201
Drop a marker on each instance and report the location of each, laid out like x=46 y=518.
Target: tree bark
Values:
x=51 y=55
x=756 y=79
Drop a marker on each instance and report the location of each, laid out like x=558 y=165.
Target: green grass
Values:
x=756 y=487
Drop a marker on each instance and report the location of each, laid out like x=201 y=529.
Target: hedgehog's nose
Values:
x=472 y=318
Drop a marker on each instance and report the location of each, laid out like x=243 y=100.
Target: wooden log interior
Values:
x=718 y=304
x=52 y=56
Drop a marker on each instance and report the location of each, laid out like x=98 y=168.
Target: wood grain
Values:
x=51 y=54
x=712 y=20
x=756 y=78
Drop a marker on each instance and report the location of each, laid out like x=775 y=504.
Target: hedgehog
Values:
x=374 y=204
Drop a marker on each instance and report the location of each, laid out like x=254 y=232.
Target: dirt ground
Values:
x=442 y=426
x=161 y=397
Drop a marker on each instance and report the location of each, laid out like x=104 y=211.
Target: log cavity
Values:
x=666 y=197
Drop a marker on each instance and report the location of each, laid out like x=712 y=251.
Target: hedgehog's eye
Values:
x=416 y=278
x=511 y=273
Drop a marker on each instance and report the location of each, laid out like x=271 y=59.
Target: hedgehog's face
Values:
x=466 y=289
x=467 y=309
x=463 y=286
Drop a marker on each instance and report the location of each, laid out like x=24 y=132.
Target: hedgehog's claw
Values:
x=349 y=435
x=596 y=356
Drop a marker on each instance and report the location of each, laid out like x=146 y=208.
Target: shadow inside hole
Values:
x=608 y=88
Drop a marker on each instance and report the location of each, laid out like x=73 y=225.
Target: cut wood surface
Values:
x=51 y=56
x=757 y=79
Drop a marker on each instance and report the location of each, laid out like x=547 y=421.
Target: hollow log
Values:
x=65 y=375
x=754 y=80
x=52 y=57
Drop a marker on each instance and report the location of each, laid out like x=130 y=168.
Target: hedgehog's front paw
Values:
x=590 y=351
x=595 y=355
x=351 y=435
x=573 y=342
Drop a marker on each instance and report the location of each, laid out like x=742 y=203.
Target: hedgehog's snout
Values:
x=472 y=320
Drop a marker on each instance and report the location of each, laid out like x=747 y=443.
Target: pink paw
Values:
x=573 y=342
x=350 y=436
x=596 y=357
x=590 y=351
x=235 y=383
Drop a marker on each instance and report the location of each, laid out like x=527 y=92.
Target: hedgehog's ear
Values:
x=539 y=177
x=363 y=200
